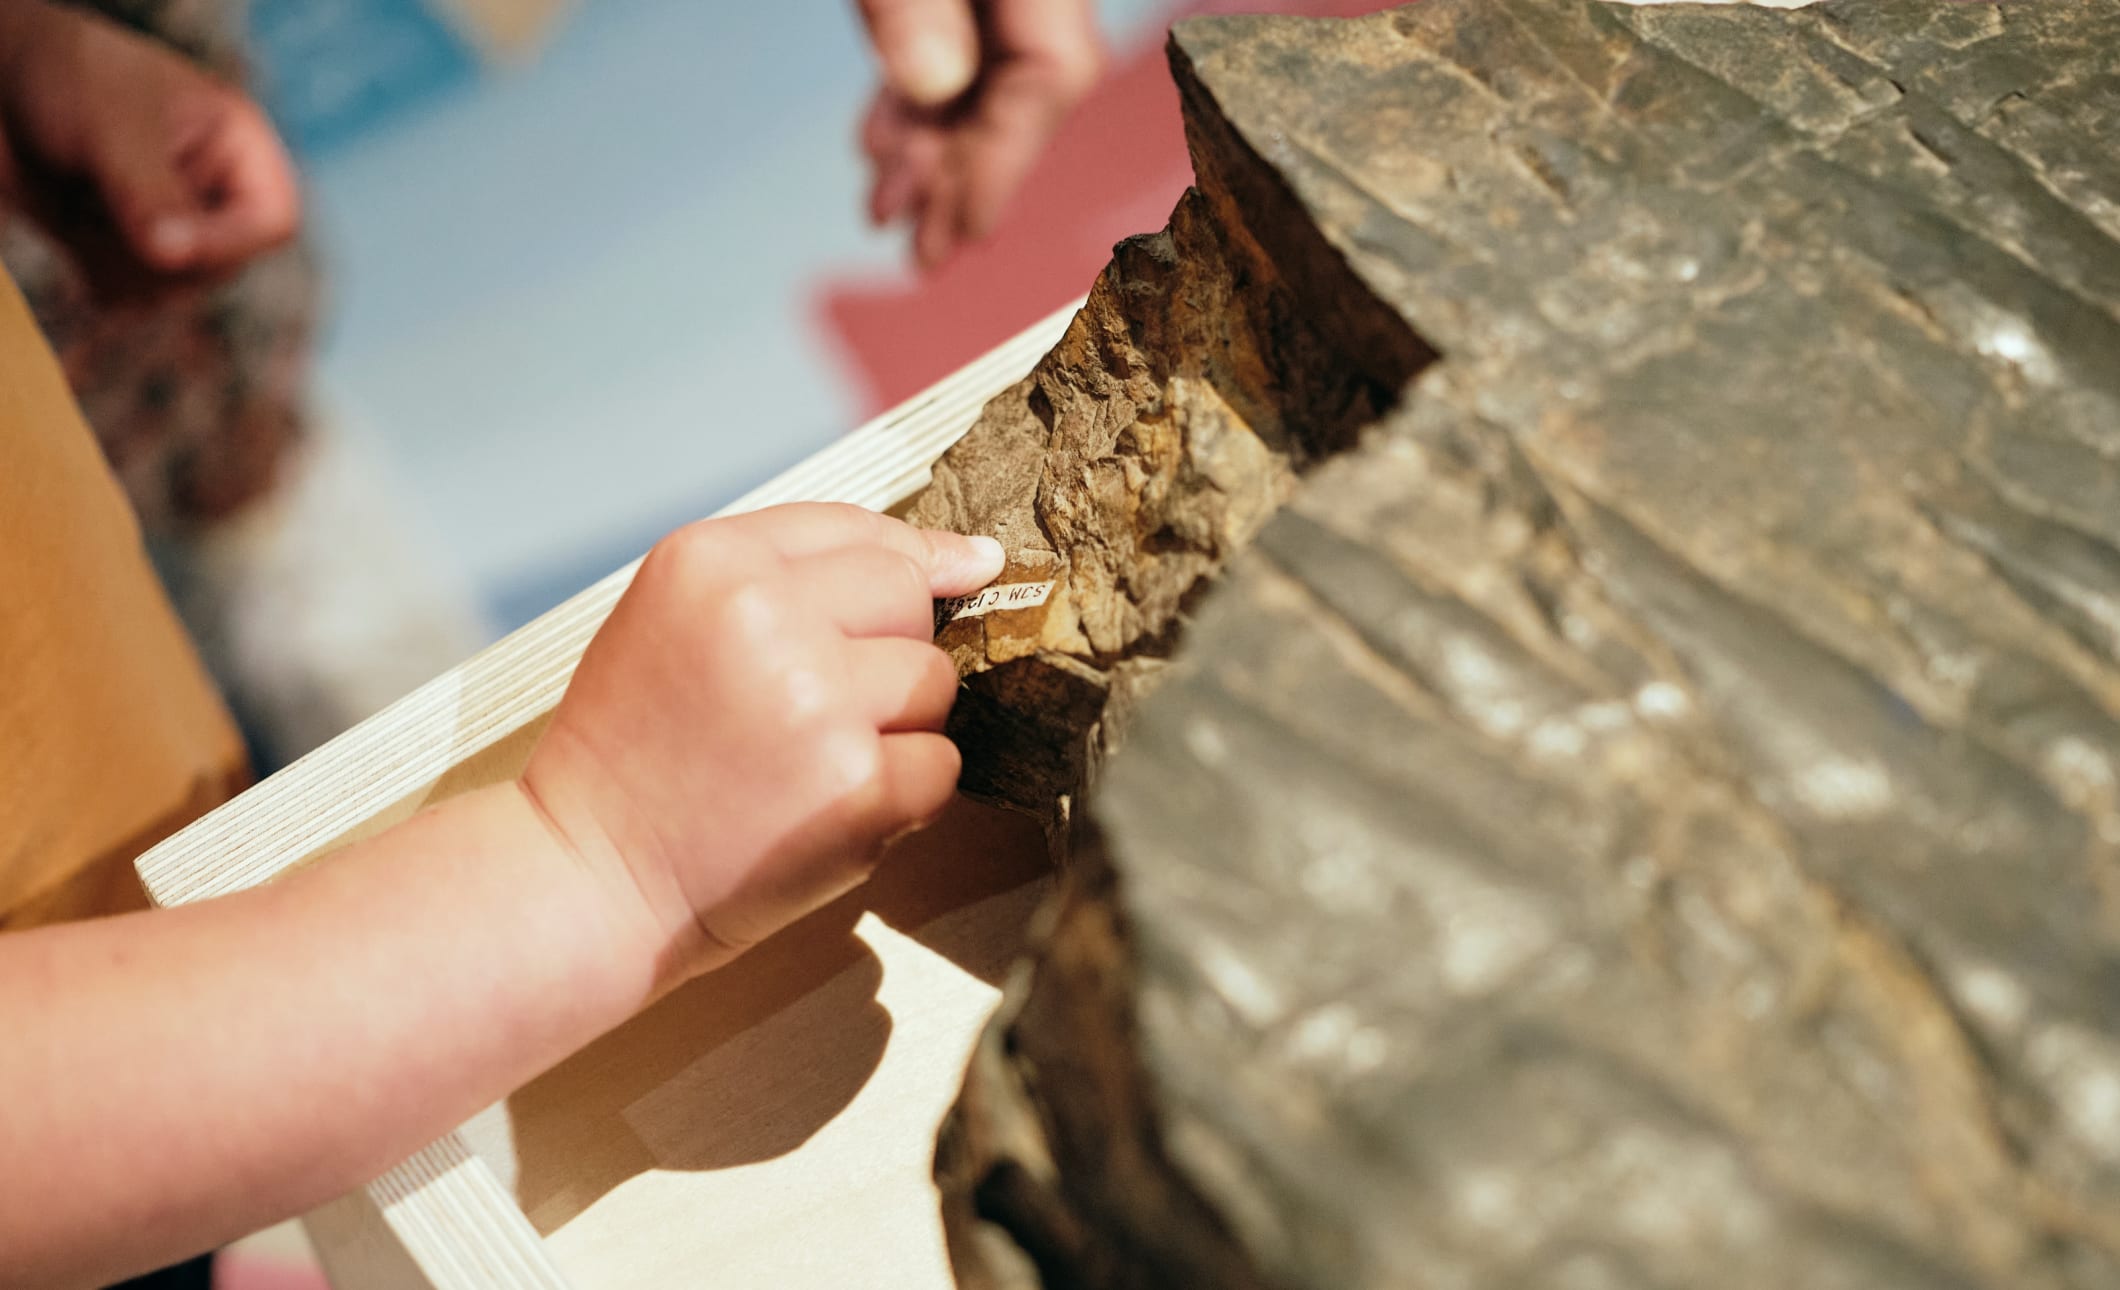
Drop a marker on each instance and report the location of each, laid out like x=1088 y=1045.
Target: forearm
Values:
x=175 y=1079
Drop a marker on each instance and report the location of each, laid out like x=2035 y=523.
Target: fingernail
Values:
x=934 y=69
x=173 y=238
x=917 y=826
x=969 y=563
x=889 y=198
x=930 y=243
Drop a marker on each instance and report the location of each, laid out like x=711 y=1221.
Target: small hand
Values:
x=972 y=92
x=759 y=716
x=149 y=170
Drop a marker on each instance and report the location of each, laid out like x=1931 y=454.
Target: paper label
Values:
x=1015 y=595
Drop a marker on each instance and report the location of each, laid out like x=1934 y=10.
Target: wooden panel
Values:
x=776 y=1120
x=390 y=765
x=712 y=1130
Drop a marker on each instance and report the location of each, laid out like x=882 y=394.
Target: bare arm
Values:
x=757 y=718
x=177 y=1079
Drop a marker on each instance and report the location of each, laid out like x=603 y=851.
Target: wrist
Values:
x=643 y=906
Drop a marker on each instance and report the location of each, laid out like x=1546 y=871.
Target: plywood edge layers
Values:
x=410 y=745
x=460 y=1225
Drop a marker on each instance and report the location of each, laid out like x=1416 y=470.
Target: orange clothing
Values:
x=111 y=736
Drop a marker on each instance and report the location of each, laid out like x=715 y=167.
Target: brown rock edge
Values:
x=1644 y=812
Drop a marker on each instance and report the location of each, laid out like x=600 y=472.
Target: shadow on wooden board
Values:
x=751 y=1063
x=791 y=1033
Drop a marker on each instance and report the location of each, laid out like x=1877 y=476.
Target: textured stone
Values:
x=1645 y=817
x=1144 y=450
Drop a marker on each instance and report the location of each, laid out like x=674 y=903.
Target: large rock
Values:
x=1143 y=452
x=1646 y=817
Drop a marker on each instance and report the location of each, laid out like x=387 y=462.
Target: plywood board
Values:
x=715 y=1130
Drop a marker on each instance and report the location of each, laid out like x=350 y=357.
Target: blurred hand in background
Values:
x=972 y=91
x=149 y=170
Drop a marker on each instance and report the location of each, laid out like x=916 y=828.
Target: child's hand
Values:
x=761 y=714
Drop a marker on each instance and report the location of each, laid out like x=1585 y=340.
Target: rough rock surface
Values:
x=1647 y=816
x=1147 y=448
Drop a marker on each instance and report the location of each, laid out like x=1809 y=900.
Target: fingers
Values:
x=866 y=591
x=245 y=182
x=883 y=125
x=1059 y=36
x=1017 y=116
x=883 y=131
x=1038 y=58
x=1049 y=58
x=892 y=192
x=208 y=198
x=929 y=48
x=150 y=200
x=938 y=218
x=955 y=565
x=801 y=529
x=907 y=685
x=959 y=565
x=920 y=772
x=904 y=151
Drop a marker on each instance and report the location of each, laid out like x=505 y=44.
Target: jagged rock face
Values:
x=1647 y=816
x=1143 y=452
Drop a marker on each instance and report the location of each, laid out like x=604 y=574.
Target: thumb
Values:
x=929 y=48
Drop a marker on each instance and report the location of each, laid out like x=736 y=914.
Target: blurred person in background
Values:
x=284 y=560
x=972 y=91
x=147 y=202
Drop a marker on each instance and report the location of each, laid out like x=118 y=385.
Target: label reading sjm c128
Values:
x=1015 y=595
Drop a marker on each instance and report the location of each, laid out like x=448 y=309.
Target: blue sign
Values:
x=333 y=71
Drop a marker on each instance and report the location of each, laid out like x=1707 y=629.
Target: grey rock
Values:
x=1644 y=815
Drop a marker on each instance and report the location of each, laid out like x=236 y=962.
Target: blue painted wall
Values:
x=571 y=299
x=337 y=70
